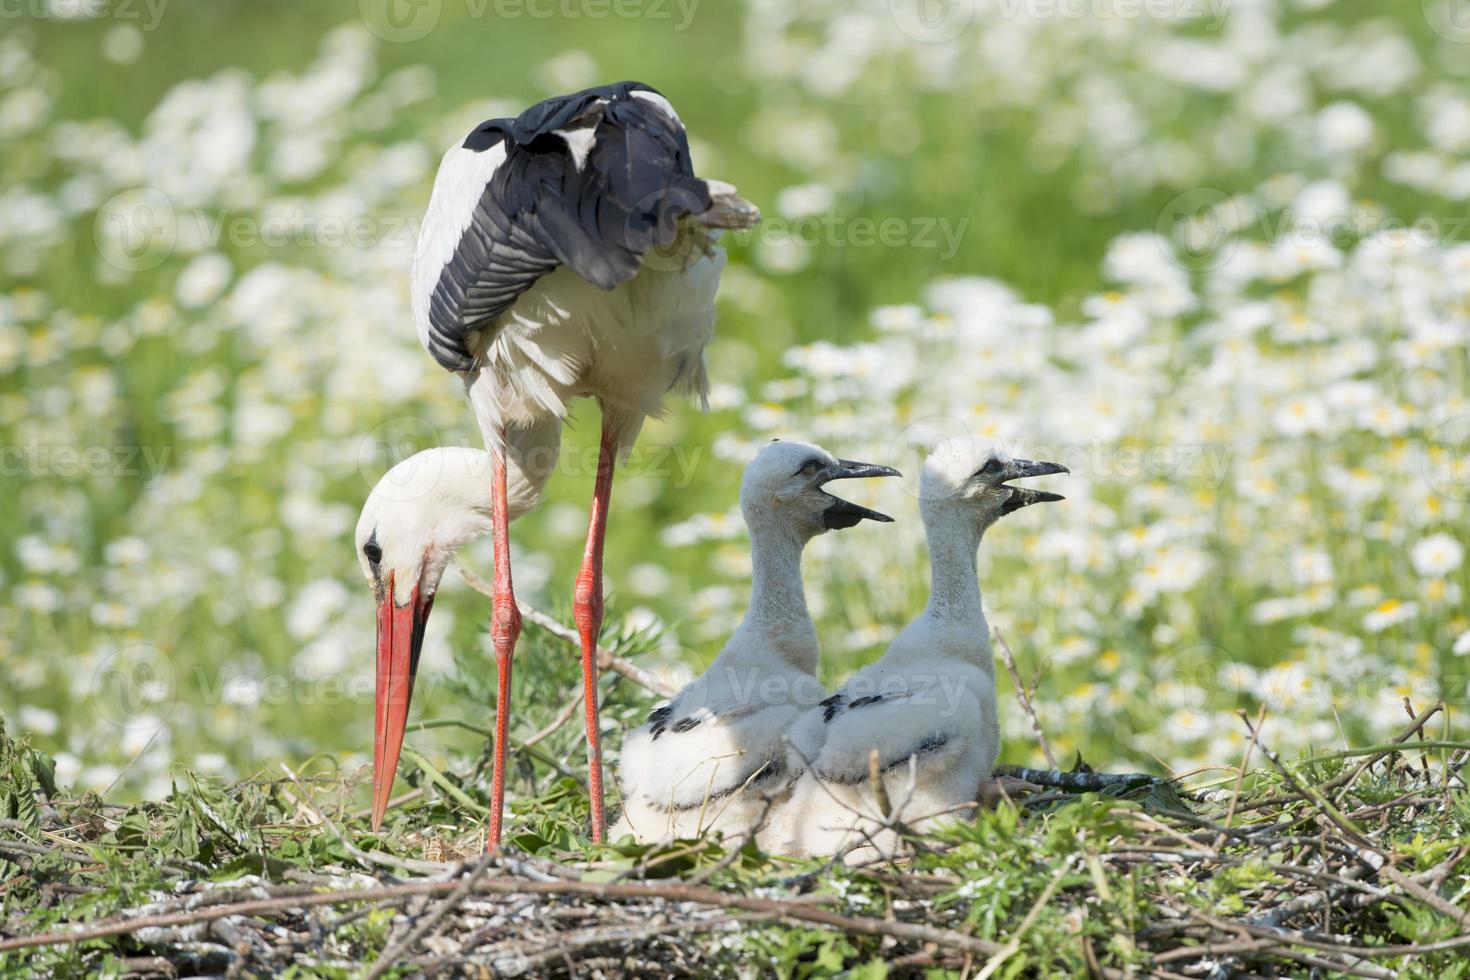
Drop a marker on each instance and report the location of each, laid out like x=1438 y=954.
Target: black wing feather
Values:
x=540 y=210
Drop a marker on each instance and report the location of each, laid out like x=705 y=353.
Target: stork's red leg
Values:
x=505 y=628
x=587 y=610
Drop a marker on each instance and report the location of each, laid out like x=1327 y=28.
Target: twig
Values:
x=736 y=846
x=767 y=907
x=1323 y=805
x=442 y=781
x=1348 y=777
x=1021 y=695
x=396 y=801
x=1245 y=762
x=1382 y=864
x=606 y=659
x=392 y=954
x=489 y=734
x=562 y=717
x=522 y=964
x=880 y=791
x=1014 y=943
x=365 y=858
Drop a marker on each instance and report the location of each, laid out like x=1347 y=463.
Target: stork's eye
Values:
x=810 y=467
x=372 y=552
x=991 y=468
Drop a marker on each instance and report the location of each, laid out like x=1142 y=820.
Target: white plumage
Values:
x=427 y=507
x=628 y=347
x=706 y=759
x=927 y=707
x=540 y=296
x=570 y=252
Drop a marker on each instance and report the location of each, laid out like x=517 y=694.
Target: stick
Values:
x=768 y=907
x=1245 y=762
x=606 y=659
x=391 y=955
x=562 y=717
x=365 y=858
x=1021 y=695
x=1014 y=943
x=1347 y=777
x=880 y=791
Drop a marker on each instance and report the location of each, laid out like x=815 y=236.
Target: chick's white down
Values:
x=709 y=758
x=927 y=707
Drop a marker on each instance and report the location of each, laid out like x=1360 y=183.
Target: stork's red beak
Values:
x=400 y=637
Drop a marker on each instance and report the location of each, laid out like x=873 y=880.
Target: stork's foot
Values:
x=1004 y=789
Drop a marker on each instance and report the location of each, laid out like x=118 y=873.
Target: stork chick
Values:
x=703 y=760
x=927 y=707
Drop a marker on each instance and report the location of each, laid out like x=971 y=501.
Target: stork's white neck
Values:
x=777 y=621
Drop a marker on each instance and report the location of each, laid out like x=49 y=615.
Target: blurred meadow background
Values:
x=1211 y=254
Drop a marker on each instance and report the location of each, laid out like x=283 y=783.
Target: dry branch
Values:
x=606 y=659
x=770 y=908
x=1023 y=695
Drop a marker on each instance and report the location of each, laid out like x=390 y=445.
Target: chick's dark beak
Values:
x=1018 y=469
x=849 y=469
x=843 y=513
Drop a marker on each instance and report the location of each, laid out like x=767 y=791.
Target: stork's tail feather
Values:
x=728 y=209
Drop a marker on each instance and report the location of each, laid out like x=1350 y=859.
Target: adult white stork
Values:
x=927 y=706
x=569 y=252
x=703 y=760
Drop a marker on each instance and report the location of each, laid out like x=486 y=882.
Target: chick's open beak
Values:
x=400 y=638
x=844 y=513
x=1018 y=469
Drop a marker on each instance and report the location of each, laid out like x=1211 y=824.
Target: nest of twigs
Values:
x=1350 y=864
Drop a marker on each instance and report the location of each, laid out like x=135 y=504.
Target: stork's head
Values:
x=971 y=476
x=421 y=512
x=784 y=487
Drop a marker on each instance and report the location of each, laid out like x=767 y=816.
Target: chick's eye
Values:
x=991 y=467
x=810 y=467
x=372 y=552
